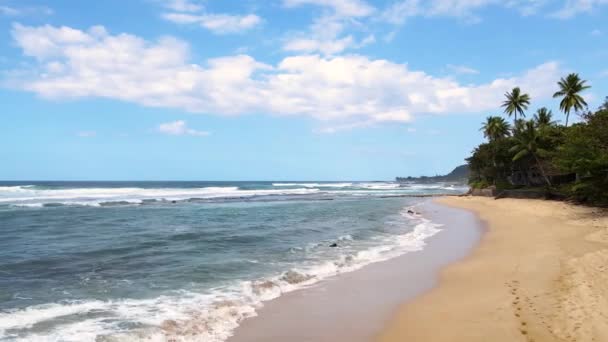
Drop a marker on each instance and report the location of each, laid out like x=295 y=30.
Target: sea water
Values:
x=112 y=261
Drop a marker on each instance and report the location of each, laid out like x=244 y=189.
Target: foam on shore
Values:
x=210 y=315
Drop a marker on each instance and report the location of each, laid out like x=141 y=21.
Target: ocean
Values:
x=112 y=261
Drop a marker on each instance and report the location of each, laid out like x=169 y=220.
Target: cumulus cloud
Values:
x=179 y=127
x=340 y=91
x=218 y=23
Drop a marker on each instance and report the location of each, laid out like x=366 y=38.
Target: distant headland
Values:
x=459 y=175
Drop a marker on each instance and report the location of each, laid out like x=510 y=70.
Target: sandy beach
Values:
x=540 y=273
x=356 y=306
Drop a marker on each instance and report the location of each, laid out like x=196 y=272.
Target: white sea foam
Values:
x=368 y=185
x=314 y=185
x=32 y=197
x=379 y=186
x=210 y=316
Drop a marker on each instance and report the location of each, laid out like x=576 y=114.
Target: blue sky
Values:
x=276 y=89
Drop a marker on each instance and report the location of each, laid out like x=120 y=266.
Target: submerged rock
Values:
x=333 y=245
x=293 y=277
x=260 y=287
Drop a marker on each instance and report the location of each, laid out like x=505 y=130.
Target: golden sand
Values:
x=539 y=274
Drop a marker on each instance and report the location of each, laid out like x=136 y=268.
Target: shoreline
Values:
x=539 y=274
x=356 y=306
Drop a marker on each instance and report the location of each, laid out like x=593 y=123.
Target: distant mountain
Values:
x=459 y=175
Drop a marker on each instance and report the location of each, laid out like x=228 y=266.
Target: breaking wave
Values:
x=211 y=315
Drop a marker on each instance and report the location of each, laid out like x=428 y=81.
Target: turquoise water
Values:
x=91 y=261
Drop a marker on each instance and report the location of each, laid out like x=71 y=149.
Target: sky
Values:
x=276 y=89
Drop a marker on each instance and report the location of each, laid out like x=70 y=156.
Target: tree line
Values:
x=540 y=152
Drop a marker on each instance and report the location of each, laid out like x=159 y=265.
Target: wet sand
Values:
x=356 y=306
x=539 y=274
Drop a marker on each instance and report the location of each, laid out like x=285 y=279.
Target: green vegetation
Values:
x=569 y=91
x=516 y=103
x=459 y=175
x=569 y=161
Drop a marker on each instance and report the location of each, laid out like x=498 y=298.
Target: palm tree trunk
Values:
x=567 y=117
x=542 y=170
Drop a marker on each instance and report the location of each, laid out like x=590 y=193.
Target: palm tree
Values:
x=543 y=117
x=569 y=91
x=516 y=103
x=527 y=143
x=495 y=128
x=518 y=126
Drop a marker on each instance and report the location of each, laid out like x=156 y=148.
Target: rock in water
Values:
x=293 y=277
x=333 y=245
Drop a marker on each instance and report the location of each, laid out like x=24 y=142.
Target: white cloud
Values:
x=389 y=37
x=179 y=127
x=326 y=36
x=573 y=7
x=185 y=12
x=399 y=11
x=23 y=11
x=527 y=7
x=326 y=47
x=218 y=23
x=596 y=32
x=344 y=8
x=462 y=69
x=182 y=5
x=9 y=11
x=348 y=90
x=86 y=134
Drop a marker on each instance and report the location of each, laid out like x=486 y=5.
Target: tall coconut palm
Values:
x=495 y=128
x=516 y=103
x=527 y=143
x=518 y=126
x=569 y=90
x=543 y=117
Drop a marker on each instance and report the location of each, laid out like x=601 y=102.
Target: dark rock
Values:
x=333 y=245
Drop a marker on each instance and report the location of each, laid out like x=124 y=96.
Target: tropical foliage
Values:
x=496 y=128
x=540 y=153
x=569 y=90
x=516 y=103
x=544 y=118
